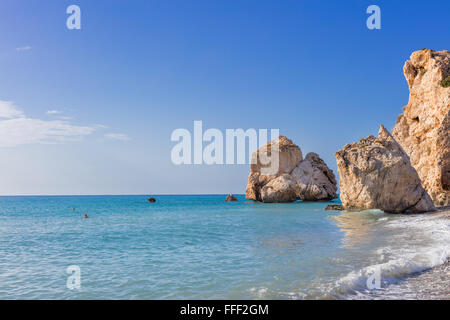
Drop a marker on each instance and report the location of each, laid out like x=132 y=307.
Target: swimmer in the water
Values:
x=86 y=216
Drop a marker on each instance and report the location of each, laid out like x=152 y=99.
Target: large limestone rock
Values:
x=294 y=178
x=314 y=180
x=279 y=189
x=289 y=155
x=376 y=174
x=423 y=130
x=286 y=155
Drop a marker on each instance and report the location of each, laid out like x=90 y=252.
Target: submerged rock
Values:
x=335 y=207
x=230 y=197
x=423 y=130
x=306 y=179
x=376 y=173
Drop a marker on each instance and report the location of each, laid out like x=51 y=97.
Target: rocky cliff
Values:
x=423 y=130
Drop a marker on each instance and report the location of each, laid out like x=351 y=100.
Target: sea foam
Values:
x=422 y=243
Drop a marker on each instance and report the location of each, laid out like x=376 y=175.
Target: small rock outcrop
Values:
x=376 y=174
x=423 y=130
x=230 y=197
x=334 y=207
x=306 y=179
x=151 y=200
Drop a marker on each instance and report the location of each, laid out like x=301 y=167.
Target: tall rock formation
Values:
x=423 y=130
x=376 y=173
x=306 y=179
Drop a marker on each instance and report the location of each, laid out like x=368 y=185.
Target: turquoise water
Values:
x=201 y=247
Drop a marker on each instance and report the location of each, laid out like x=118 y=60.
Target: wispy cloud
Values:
x=24 y=48
x=117 y=136
x=54 y=112
x=8 y=110
x=17 y=129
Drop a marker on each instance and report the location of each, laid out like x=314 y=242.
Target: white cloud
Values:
x=65 y=118
x=53 y=112
x=117 y=136
x=24 y=48
x=101 y=126
x=17 y=129
x=14 y=132
x=9 y=110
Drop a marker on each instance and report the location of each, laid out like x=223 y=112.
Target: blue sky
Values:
x=137 y=70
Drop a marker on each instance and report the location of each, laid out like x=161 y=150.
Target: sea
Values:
x=202 y=247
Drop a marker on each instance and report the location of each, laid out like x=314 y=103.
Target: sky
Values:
x=91 y=111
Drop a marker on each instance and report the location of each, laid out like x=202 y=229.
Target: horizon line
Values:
x=125 y=194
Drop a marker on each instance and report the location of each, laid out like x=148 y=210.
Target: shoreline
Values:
x=432 y=283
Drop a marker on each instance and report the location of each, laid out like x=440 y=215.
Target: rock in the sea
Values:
x=376 y=173
x=151 y=200
x=230 y=197
x=289 y=155
x=335 y=207
x=423 y=130
x=314 y=180
x=296 y=179
x=278 y=189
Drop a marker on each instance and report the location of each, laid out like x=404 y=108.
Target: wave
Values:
x=421 y=243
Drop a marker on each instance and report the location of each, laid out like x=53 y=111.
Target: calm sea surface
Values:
x=201 y=247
